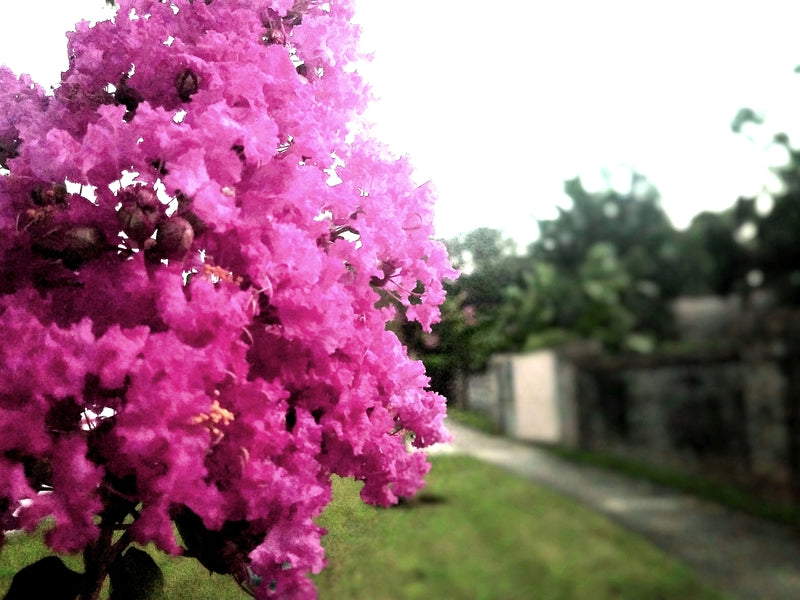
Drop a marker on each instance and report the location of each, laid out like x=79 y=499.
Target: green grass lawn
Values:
x=473 y=419
x=474 y=532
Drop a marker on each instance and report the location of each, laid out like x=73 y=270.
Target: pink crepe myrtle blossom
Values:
x=194 y=314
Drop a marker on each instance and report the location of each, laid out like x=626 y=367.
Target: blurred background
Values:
x=619 y=187
x=619 y=184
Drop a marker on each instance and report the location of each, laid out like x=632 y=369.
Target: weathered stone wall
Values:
x=729 y=417
x=724 y=417
x=767 y=398
x=482 y=395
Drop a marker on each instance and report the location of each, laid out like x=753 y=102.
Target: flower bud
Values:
x=83 y=244
x=174 y=239
x=73 y=246
x=54 y=194
x=139 y=214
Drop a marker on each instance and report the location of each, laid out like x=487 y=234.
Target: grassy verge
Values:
x=473 y=419
x=474 y=532
x=725 y=494
x=477 y=532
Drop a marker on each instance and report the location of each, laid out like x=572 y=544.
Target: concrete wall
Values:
x=530 y=400
x=521 y=393
x=727 y=417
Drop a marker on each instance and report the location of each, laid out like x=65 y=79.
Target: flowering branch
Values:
x=147 y=384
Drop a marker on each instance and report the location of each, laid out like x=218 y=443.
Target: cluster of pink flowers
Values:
x=201 y=245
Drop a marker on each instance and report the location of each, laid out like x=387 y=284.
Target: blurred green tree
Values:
x=468 y=333
x=620 y=242
x=714 y=262
x=771 y=255
x=604 y=269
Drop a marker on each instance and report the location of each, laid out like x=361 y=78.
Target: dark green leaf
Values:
x=136 y=576
x=47 y=578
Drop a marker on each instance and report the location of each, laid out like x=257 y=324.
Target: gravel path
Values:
x=744 y=557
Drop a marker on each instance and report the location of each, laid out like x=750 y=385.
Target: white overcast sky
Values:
x=498 y=103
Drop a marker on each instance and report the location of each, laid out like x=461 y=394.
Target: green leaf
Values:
x=47 y=578
x=136 y=576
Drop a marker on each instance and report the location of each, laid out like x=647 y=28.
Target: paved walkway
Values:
x=744 y=557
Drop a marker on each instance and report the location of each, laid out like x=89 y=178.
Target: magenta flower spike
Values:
x=200 y=252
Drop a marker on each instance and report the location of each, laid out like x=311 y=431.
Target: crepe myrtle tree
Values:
x=201 y=249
